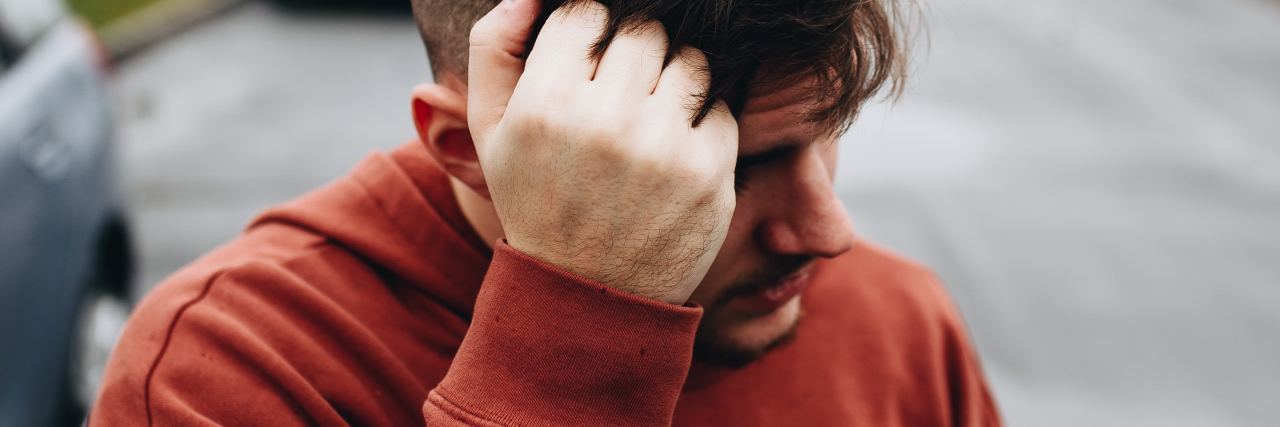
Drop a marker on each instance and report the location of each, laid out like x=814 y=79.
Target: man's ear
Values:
x=440 y=116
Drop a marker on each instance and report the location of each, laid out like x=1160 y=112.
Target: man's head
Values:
x=793 y=72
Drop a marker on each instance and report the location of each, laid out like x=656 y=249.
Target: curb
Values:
x=140 y=29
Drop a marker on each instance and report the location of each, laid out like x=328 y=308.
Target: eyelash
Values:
x=741 y=171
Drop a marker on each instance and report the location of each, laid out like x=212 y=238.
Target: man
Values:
x=619 y=219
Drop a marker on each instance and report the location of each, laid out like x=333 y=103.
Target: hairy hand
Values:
x=595 y=166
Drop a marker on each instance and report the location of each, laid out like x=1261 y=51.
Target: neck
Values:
x=478 y=211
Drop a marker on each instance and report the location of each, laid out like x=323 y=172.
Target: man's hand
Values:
x=596 y=168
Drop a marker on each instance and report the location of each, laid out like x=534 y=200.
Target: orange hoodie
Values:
x=372 y=302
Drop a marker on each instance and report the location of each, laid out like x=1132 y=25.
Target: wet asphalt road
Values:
x=1097 y=182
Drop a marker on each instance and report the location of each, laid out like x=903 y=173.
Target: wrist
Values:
x=605 y=269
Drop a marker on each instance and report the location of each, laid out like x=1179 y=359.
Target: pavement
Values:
x=1098 y=183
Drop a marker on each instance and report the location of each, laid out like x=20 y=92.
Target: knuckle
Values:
x=693 y=58
x=591 y=11
x=650 y=29
x=559 y=16
x=482 y=34
x=594 y=9
x=722 y=119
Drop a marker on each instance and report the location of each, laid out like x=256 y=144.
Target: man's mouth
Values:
x=775 y=295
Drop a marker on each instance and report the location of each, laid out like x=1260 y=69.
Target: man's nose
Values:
x=810 y=219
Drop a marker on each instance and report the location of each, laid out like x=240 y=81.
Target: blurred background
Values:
x=1097 y=182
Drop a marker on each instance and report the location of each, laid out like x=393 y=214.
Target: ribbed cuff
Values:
x=546 y=346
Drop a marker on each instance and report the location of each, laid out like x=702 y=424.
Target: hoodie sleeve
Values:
x=547 y=347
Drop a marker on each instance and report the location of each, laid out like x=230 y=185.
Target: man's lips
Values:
x=776 y=295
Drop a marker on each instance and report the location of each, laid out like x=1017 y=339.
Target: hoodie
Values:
x=371 y=301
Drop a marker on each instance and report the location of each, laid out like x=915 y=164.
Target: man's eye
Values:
x=745 y=163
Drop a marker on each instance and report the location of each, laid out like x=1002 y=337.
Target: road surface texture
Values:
x=1097 y=182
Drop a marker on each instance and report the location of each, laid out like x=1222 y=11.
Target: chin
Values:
x=733 y=339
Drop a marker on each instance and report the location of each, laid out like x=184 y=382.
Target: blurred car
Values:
x=64 y=243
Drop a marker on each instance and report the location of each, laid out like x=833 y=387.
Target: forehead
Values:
x=775 y=116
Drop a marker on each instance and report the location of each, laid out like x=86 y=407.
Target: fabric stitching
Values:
x=453 y=410
x=177 y=318
x=168 y=338
x=483 y=415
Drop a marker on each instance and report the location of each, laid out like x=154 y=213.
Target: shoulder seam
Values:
x=177 y=316
x=168 y=337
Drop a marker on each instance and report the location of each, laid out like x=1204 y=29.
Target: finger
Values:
x=562 y=52
x=720 y=122
x=496 y=60
x=633 y=60
x=685 y=79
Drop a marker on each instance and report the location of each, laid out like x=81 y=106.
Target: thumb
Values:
x=496 y=59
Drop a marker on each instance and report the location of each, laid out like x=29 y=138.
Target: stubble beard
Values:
x=713 y=347
x=714 y=344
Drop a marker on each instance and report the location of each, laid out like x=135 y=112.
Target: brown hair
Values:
x=850 y=48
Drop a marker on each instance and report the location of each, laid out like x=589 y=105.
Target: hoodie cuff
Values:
x=547 y=346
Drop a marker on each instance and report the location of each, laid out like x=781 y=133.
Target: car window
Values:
x=22 y=21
